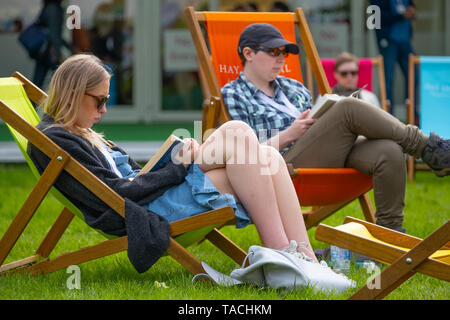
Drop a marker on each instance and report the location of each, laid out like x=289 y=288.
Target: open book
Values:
x=322 y=104
x=163 y=155
x=326 y=101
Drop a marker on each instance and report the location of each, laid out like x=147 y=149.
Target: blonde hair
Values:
x=73 y=78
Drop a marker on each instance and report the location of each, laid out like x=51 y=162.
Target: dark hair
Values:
x=345 y=57
x=241 y=55
x=280 y=6
x=253 y=5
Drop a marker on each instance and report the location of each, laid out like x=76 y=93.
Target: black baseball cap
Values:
x=264 y=34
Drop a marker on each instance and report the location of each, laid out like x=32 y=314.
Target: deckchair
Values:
x=365 y=76
x=405 y=254
x=325 y=190
x=18 y=113
x=433 y=91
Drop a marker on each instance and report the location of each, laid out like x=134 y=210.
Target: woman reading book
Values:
x=220 y=172
x=352 y=133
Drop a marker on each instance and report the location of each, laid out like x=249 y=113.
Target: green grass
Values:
x=113 y=277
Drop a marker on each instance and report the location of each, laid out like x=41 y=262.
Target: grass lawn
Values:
x=113 y=277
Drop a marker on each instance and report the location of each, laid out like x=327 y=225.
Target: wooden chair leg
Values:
x=314 y=218
x=30 y=206
x=16 y=265
x=184 y=257
x=103 y=249
x=367 y=208
x=404 y=267
x=82 y=255
x=47 y=245
x=411 y=168
x=227 y=246
x=55 y=233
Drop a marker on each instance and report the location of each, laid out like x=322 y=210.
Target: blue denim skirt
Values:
x=197 y=194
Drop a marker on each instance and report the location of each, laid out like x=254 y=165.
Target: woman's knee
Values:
x=272 y=158
x=238 y=132
x=236 y=125
x=271 y=152
x=351 y=104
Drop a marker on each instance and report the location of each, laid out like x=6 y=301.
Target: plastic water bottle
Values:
x=340 y=259
x=366 y=264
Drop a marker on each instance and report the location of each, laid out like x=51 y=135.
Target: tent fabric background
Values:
x=435 y=95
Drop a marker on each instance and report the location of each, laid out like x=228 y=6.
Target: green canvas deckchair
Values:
x=18 y=113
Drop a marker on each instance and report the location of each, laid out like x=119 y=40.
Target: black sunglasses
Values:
x=274 y=52
x=345 y=73
x=100 y=100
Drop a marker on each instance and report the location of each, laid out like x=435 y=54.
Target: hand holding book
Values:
x=188 y=153
x=301 y=125
x=167 y=152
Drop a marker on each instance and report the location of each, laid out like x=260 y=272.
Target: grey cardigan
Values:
x=148 y=233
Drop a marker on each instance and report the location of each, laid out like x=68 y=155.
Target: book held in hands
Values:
x=164 y=154
x=326 y=101
x=322 y=104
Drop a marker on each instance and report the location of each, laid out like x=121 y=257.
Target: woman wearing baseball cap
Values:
x=351 y=134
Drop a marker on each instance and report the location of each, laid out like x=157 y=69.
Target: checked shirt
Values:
x=242 y=100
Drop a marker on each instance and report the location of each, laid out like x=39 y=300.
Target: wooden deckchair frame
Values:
x=214 y=110
x=403 y=264
x=410 y=105
x=377 y=62
x=59 y=161
x=210 y=84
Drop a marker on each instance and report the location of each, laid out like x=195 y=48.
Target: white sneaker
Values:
x=293 y=250
x=323 y=263
x=320 y=275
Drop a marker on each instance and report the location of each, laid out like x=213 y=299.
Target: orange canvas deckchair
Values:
x=326 y=190
x=365 y=76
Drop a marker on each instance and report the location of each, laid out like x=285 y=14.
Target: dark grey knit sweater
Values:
x=148 y=233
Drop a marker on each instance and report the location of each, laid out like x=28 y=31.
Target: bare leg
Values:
x=263 y=186
x=288 y=204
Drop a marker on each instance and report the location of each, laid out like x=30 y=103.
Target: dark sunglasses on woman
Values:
x=100 y=100
x=346 y=73
x=274 y=52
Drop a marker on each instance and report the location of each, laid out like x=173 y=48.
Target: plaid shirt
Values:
x=243 y=103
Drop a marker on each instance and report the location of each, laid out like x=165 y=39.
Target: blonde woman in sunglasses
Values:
x=351 y=134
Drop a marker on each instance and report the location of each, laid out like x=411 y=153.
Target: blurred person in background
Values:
x=51 y=17
x=346 y=73
x=394 y=41
x=280 y=6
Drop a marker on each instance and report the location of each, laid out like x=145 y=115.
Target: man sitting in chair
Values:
x=277 y=107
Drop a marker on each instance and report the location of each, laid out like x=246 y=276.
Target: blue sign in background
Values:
x=435 y=95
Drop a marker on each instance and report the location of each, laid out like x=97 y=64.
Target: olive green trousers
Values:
x=355 y=134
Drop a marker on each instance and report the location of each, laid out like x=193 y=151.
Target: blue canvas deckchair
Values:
x=434 y=99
